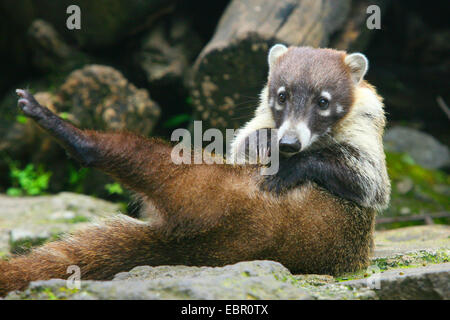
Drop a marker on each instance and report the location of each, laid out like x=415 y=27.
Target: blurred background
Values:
x=156 y=65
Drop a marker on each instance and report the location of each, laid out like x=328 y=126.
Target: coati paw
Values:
x=30 y=107
x=261 y=139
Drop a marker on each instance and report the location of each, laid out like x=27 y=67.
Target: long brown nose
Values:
x=289 y=143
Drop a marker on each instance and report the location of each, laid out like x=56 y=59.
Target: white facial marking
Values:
x=339 y=108
x=305 y=134
x=271 y=101
x=284 y=127
x=326 y=94
x=325 y=113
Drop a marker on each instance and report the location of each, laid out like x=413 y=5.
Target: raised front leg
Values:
x=327 y=167
x=145 y=165
x=77 y=143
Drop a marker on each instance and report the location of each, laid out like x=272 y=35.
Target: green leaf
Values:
x=21 y=119
x=406 y=158
x=29 y=180
x=64 y=115
x=114 y=188
x=177 y=120
x=14 y=192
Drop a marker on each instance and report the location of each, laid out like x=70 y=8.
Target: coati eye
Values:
x=323 y=103
x=282 y=97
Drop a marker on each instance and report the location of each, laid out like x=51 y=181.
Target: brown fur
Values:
x=208 y=215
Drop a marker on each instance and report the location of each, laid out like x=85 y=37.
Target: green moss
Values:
x=287 y=278
x=429 y=191
x=413 y=259
x=21 y=119
x=68 y=291
x=76 y=219
x=50 y=294
x=25 y=245
x=4 y=255
x=351 y=276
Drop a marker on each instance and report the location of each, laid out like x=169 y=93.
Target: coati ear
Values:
x=358 y=65
x=275 y=52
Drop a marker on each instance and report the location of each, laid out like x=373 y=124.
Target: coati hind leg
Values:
x=99 y=251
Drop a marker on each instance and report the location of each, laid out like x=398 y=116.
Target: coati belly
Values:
x=308 y=230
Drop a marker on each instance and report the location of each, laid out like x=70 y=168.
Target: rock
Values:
x=167 y=51
x=417 y=274
x=405 y=185
x=415 y=190
x=94 y=97
x=244 y=280
x=430 y=282
x=399 y=241
x=103 y=22
x=422 y=147
x=30 y=221
x=100 y=97
x=50 y=52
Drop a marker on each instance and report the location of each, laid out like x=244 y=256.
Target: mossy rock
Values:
x=27 y=222
x=416 y=190
x=423 y=270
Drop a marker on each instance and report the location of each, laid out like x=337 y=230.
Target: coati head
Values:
x=310 y=91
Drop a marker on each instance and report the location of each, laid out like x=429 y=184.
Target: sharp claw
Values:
x=23 y=101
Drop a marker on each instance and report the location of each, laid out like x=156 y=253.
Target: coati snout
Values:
x=289 y=143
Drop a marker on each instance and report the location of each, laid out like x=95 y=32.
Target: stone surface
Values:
x=398 y=241
x=430 y=282
x=400 y=273
x=94 y=97
x=167 y=51
x=244 y=280
x=103 y=22
x=30 y=221
x=415 y=190
x=100 y=97
x=50 y=52
x=422 y=147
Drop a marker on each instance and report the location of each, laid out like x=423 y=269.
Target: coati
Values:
x=316 y=215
